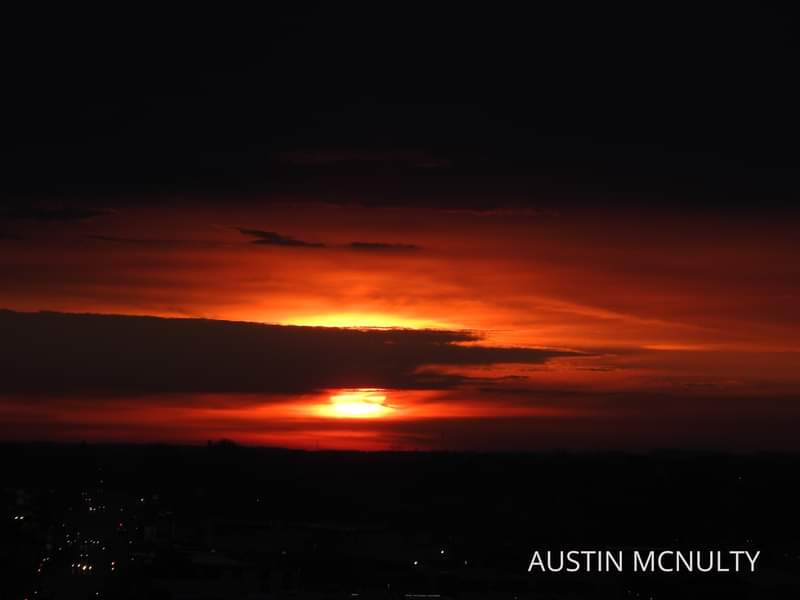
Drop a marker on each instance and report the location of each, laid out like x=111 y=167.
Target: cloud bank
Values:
x=59 y=353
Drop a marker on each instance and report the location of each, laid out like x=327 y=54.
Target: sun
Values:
x=359 y=403
x=366 y=321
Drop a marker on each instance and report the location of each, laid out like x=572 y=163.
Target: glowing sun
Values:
x=360 y=403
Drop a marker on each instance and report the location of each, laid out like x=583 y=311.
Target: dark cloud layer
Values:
x=271 y=238
x=659 y=133
x=408 y=158
x=57 y=353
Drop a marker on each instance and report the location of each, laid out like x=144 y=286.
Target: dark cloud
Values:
x=144 y=141
x=512 y=210
x=43 y=213
x=418 y=159
x=271 y=238
x=382 y=247
x=57 y=353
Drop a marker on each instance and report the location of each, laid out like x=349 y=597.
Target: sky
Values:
x=457 y=232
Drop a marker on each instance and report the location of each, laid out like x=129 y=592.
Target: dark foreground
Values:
x=99 y=521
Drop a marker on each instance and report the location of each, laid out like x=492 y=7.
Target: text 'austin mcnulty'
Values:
x=644 y=561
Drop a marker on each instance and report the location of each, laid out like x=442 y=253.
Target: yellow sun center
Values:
x=365 y=320
x=358 y=403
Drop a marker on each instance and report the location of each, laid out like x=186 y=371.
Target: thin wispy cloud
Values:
x=272 y=238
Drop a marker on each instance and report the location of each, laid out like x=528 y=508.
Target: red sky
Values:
x=681 y=329
x=595 y=210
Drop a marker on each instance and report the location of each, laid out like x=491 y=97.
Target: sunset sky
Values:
x=343 y=250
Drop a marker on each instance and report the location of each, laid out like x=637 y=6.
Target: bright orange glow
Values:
x=669 y=315
x=361 y=403
x=367 y=320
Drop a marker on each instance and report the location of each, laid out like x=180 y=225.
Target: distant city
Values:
x=223 y=521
